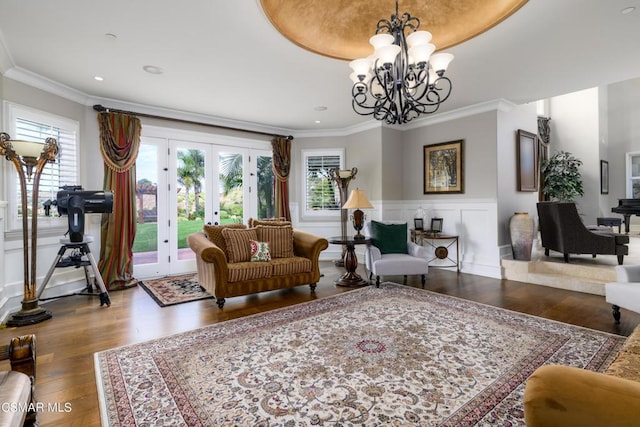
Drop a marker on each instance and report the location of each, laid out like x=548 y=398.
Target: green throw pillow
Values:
x=389 y=238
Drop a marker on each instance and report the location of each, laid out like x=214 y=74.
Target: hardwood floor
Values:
x=79 y=328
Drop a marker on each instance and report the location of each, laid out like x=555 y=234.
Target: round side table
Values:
x=350 y=278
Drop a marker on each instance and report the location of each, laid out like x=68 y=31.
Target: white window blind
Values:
x=321 y=193
x=63 y=171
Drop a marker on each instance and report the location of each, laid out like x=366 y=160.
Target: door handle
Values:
x=166 y=241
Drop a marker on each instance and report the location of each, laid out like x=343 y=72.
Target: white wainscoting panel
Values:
x=474 y=221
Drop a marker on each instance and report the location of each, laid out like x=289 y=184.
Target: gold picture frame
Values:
x=444 y=167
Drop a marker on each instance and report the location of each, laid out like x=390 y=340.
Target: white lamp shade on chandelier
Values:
x=403 y=78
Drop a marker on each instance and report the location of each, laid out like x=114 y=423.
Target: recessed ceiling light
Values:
x=317 y=121
x=627 y=10
x=320 y=108
x=98 y=78
x=152 y=69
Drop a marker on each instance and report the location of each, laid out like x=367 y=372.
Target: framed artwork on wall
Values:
x=527 y=160
x=444 y=167
x=604 y=177
x=418 y=224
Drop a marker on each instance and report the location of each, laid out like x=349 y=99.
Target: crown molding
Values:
x=185 y=115
x=471 y=110
x=349 y=130
x=6 y=61
x=40 y=82
x=35 y=80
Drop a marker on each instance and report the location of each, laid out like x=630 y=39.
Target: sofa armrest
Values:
x=211 y=262
x=21 y=353
x=627 y=273
x=308 y=245
x=206 y=249
x=566 y=396
x=371 y=255
x=418 y=251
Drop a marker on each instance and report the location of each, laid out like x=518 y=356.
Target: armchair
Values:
x=625 y=291
x=17 y=384
x=562 y=230
x=388 y=255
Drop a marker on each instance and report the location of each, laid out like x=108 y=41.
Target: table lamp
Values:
x=25 y=156
x=357 y=200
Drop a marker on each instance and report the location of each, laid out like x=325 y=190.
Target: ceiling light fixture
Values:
x=402 y=79
x=98 y=78
x=152 y=69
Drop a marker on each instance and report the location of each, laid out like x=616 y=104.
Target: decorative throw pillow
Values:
x=274 y=222
x=214 y=234
x=280 y=239
x=389 y=238
x=237 y=241
x=259 y=251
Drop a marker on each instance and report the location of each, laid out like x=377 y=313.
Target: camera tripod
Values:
x=80 y=250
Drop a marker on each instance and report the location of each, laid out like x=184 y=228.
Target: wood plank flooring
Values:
x=80 y=327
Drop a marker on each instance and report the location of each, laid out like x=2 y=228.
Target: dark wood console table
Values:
x=350 y=278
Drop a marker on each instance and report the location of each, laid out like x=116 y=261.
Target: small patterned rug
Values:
x=175 y=289
x=370 y=357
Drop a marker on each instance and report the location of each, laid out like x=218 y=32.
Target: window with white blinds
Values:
x=321 y=196
x=36 y=126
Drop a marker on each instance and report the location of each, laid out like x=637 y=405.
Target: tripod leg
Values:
x=88 y=279
x=104 y=295
x=61 y=252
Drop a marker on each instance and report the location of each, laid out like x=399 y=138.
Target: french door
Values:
x=181 y=185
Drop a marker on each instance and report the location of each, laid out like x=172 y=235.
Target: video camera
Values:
x=74 y=202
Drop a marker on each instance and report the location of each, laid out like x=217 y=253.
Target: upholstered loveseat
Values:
x=224 y=253
x=566 y=396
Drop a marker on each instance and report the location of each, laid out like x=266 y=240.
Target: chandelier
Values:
x=401 y=79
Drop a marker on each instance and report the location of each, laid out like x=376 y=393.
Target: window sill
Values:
x=42 y=233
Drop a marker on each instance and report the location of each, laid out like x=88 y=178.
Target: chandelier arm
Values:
x=436 y=95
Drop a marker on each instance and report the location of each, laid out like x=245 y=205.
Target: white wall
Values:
x=623 y=115
x=479 y=134
x=511 y=200
x=575 y=128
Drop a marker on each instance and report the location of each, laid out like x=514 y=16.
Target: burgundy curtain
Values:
x=119 y=143
x=281 y=168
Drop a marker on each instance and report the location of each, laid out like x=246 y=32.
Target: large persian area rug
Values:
x=175 y=289
x=390 y=356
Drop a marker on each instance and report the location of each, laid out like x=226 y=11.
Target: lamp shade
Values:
x=357 y=200
x=27 y=148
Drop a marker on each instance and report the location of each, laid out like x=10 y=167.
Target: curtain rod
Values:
x=102 y=109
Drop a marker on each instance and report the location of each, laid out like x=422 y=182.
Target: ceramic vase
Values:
x=521 y=228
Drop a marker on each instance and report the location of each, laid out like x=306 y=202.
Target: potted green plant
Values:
x=561 y=177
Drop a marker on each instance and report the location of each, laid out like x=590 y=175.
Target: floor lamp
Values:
x=342 y=178
x=27 y=156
